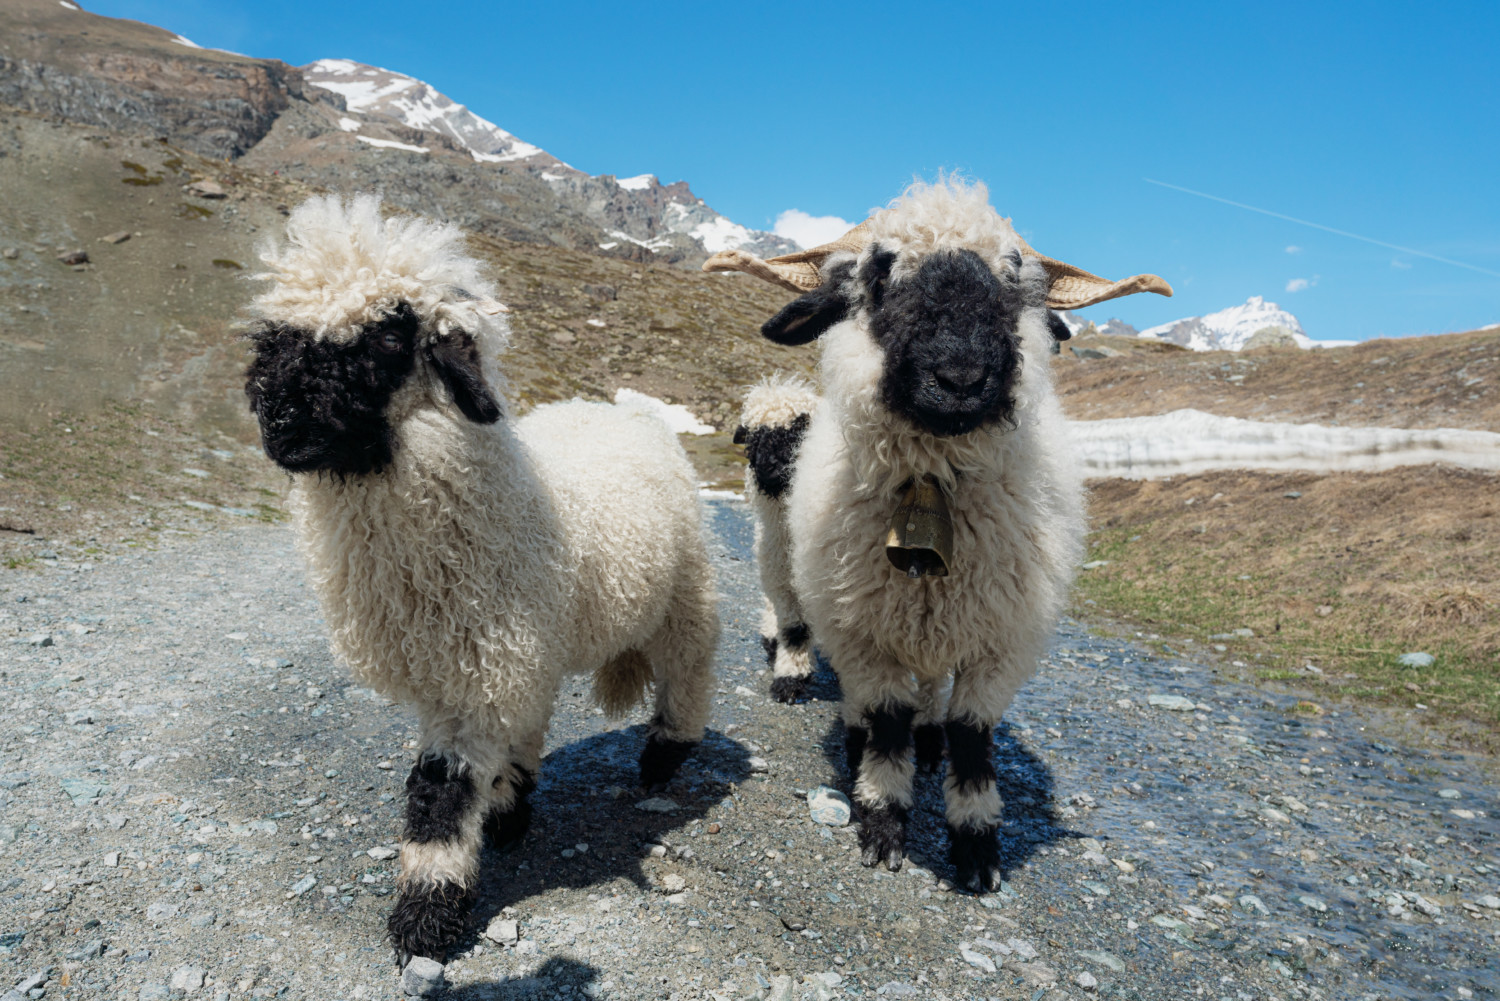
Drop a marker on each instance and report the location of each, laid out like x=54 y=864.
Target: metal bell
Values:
x=920 y=543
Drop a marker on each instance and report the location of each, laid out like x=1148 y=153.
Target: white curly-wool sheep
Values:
x=465 y=561
x=935 y=342
x=773 y=419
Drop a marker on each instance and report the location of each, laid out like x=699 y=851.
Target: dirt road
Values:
x=194 y=801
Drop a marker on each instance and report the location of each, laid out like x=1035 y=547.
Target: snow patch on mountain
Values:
x=638 y=210
x=1230 y=329
x=1113 y=326
x=374 y=91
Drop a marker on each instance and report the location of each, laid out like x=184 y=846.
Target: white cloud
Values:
x=1396 y=262
x=1298 y=284
x=810 y=230
x=1294 y=249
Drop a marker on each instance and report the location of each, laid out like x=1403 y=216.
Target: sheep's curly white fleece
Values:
x=1016 y=497
x=488 y=560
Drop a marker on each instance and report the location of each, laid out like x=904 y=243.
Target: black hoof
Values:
x=928 y=739
x=661 y=759
x=504 y=828
x=428 y=920
x=976 y=858
x=789 y=688
x=882 y=837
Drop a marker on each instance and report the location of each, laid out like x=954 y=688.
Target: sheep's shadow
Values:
x=557 y=973
x=586 y=795
x=1026 y=788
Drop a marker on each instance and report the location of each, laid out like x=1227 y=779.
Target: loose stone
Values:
x=828 y=807
x=422 y=977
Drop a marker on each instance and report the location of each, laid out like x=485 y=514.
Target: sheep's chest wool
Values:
x=1016 y=537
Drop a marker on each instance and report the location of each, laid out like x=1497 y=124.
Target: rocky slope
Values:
x=61 y=61
x=359 y=128
x=639 y=211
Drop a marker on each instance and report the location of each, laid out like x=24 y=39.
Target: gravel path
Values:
x=195 y=801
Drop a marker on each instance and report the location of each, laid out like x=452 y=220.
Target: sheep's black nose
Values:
x=961 y=380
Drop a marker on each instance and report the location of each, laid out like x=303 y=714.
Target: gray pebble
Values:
x=422 y=977
x=187 y=978
x=828 y=806
x=657 y=804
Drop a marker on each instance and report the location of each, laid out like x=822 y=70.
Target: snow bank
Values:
x=392 y=144
x=1184 y=442
x=677 y=417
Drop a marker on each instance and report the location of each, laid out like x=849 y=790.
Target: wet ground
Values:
x=191 y=790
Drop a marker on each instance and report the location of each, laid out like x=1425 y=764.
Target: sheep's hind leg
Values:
x=973 y=806
x=682 y=652
x=883 y=783
x=439 y=857
x=509 y=815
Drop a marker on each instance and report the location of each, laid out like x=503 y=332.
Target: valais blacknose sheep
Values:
x=773 y=420
x=935 y=513
x=466 y=561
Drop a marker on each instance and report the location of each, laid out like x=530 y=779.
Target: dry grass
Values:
x=1448 y=381
x=1358 y=570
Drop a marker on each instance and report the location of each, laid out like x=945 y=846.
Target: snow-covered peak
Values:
x=641 y=182
x=1229 y=329
x=639 y=210
x=370 y=90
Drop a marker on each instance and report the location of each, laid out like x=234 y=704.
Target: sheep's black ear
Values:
x=741 y=435
x=1058 y=326
x=805 y=319
x=456 y=359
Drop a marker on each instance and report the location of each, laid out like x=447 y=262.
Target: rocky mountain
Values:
x=1229 y=329
x=340 y=126
x=1112 y=327
x=60 y=61
x=635 y=211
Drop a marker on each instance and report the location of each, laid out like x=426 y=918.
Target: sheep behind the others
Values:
x=937 y=402
x=466 y=561
x=773 y=420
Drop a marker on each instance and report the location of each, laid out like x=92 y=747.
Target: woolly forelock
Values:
x=947 y=214
x=345 y=266
x=777 y=400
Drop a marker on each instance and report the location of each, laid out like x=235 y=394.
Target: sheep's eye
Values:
x=390 y=340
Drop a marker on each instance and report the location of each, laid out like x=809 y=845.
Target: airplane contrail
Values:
x=1326 y=229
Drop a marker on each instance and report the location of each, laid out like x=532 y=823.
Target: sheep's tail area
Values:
x=621 y=683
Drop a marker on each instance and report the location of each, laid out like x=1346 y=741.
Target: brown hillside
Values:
x=1449 y=380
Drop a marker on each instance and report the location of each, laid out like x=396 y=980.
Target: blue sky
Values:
x=1377 y=119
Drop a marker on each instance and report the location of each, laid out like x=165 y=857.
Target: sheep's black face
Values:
x=952 y=353
x=321 y=404
x=772 y=453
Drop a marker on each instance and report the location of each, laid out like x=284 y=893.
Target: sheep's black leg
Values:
x=973 y=806
x=883 y=787
x=505 y=825
x=663 y=756
x=855 y=739
x=791 y=663
x=682 y=654
x=439 y=855
x=928 y=740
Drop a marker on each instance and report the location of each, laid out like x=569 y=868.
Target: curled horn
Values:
x=1069 y=287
